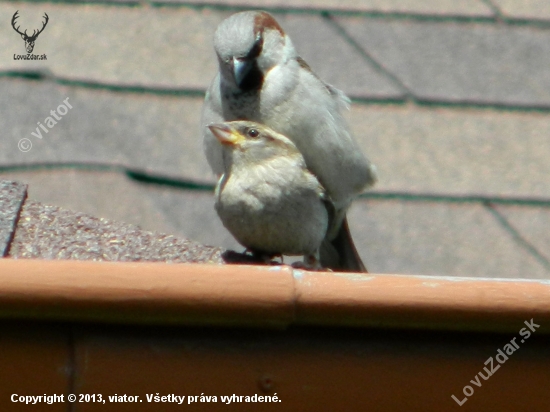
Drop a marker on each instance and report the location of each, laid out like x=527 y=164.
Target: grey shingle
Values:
x=162 y=47
x=457 y=62
x=438 y=239
x=12 y=197
x=431 y=7
x=193 y=215
x=91 y=192
x=156 y=133
x=456 y=151
x=532 y=224
x=334 y=60
x=524 y=9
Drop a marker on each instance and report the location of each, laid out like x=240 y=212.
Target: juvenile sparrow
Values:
x=261 y=78
x=266 y=196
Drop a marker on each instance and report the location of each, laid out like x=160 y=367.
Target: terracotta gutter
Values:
x=276 y=296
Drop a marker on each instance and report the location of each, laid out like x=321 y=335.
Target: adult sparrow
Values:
x=266 y=197
x=261 y=78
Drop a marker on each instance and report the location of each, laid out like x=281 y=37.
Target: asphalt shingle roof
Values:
x=450 y=101
x=34 y=230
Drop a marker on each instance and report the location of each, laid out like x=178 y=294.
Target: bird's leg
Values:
x=249 y=256
x=311 y=262
x=280 y=256
x=262 y=257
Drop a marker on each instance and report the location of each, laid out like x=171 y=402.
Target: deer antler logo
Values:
x=29 y=40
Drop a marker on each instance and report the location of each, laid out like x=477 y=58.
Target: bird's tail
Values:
x=340 y=254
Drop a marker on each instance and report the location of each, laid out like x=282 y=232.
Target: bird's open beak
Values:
x=225 y=133
x=241 y=68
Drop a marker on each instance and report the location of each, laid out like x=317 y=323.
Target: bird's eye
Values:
x=253 y=133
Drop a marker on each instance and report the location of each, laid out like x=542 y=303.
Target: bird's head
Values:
x=252 y=143
x=249 y=44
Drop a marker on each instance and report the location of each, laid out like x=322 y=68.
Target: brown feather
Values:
x=264 y=20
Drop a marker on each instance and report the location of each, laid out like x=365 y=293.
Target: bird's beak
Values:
x=225 y=133
x=241 y=68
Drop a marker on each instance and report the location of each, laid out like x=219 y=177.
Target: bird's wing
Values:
x=338 y=95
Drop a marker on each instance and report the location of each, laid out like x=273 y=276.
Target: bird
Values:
x=262 y=78
x=266 y=197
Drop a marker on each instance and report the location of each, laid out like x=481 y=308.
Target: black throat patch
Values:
x=253 y=80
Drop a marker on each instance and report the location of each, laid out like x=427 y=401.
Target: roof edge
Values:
x=263 y=296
